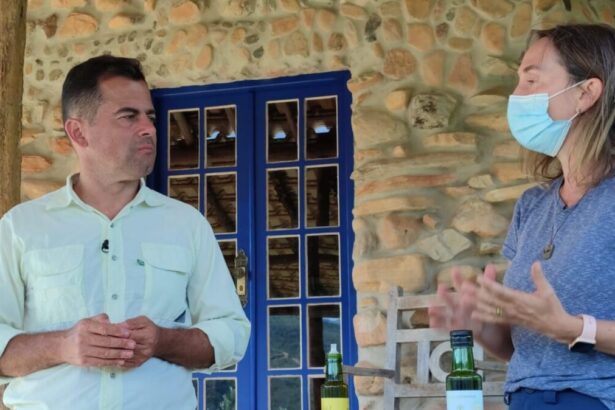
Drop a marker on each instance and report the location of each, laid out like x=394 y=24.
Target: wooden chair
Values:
x=429 y=381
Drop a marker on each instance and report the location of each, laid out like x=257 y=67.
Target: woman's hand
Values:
x=457 y=309
x=540 y=311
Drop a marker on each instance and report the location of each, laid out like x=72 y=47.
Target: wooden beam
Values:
x=12 y=46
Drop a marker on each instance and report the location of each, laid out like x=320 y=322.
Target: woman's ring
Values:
x=498 y=311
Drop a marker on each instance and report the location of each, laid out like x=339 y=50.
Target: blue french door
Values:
x=268 y=163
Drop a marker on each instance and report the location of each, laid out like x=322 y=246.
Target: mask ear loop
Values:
x=566 y=89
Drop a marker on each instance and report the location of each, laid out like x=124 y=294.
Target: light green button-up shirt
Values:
x=162 y=261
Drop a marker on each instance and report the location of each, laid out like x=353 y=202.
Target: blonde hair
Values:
x=586 y=51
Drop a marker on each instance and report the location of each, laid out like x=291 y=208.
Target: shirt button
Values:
x=112 y=375
x=114 y=257
x=114 y=296
x=112 y=225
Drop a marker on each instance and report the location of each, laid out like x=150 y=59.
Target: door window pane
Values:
x=221 y=137
x=285 y=393
x=184 y=139
x=315 y=383
x=321 y=196
x=321 y=127
x=323 y=265
x=282 y=131
x=185 y=189
x=283 y=267
x=222 y=202
x=220 y=394
x=323 y=330
x=282 y=198
x=284 y=337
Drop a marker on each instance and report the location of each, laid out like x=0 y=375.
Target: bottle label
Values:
x=334 y=403
x=464 y=400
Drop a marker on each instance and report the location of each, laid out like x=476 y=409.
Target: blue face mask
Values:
x=531 y=125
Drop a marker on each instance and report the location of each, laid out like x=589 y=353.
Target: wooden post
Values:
x=12 y=46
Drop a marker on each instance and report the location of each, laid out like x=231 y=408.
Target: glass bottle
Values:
x=334 y=392
x=464 y=386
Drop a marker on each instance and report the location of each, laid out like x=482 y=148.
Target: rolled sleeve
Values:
x=214 y=305
x=11 y=288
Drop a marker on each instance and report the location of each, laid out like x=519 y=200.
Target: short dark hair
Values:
x=80 y=92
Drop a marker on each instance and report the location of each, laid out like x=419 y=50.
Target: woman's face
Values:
x=541 y=71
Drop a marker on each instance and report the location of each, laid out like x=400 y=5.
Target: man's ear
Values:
x=74 y=130
x=591 y=92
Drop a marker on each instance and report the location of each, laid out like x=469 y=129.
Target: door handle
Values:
x=240 y=272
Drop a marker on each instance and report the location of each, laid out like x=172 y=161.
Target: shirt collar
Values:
x=67 y=195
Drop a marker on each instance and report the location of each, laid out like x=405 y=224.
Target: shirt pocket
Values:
x=167 y=270
x=54 y=286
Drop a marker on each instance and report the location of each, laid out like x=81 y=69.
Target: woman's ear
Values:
x=74 y=130
x=591 y=90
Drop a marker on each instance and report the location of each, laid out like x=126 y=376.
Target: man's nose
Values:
x=146 y=126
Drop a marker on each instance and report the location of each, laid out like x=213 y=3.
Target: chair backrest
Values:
x=431 y=344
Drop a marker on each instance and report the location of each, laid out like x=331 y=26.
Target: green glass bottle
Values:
x=334 y=392
x=464 y=387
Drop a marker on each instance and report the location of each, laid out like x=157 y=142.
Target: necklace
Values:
x=549 y=248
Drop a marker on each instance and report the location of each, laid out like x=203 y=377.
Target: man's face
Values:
x=121 y=138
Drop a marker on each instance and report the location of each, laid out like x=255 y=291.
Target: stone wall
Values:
x=436 y=170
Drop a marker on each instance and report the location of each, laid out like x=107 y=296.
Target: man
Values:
x=110 y=293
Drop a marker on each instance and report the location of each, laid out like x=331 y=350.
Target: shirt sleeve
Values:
x=11 y=288
x=214 y=305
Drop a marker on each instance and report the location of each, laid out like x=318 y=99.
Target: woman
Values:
x=554 y=318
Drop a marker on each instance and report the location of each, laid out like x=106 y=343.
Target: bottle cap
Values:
x=333 y=348
x=461 y=338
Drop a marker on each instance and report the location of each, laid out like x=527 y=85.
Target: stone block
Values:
x=481 y=218
x=494 y=9
x=397 y=100
x=122 y=21
x=508 y=171
x=493 y=121
x=60 y=145
x=463 y=76
x=368 y=385
x=365 y=240
x=447 y=140
x=543 y=5
x=397 y=231
x=290 y=5
x=399 y=64
x=493 y=37
x=337 y=42
x=391 y=9
x=444 y=246
x=317 y=44
x=64 y=4
x=521 y=21
x=377 y=127
x=205 y=58
x=296 y=44
x=508 y=194
x=419 y=203
x=325 y=19
x=403 y=182
x=353 y=11
x=108 y=5
x=507 y=150
x=406 y=271
x=430 y=111
x=392 y=31
x=465 y=21
x=32 y=164
x=481 y=181
x=284 y=25
x=421 y=36
x=418 y=9
x=432 y=68
x=460 y=43
x=185 y=12
x=431 y=221
x=78 y=25
x=370 y=328
x=35 y=188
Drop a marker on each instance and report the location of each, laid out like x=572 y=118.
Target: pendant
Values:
x=547 y=252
